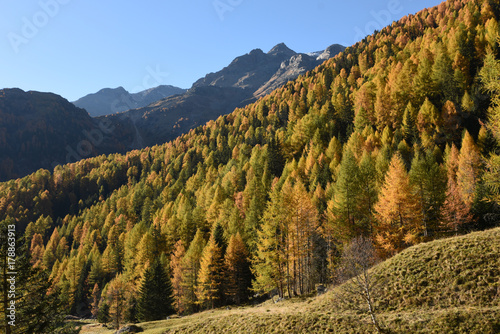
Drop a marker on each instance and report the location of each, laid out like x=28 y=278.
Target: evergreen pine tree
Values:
x=443 y=76
x=238 y=277
x=343 y=210
x=155 y=294
x=131 y=309
x=427 y=123
x=218 y=233
x=269 y=262
x=427 y=179
x=409 y=127
x=103 y=315
x=368 y=192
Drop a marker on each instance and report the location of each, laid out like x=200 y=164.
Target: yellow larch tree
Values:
x=468 y=169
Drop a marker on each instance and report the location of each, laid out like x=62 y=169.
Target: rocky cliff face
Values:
x=249 y=71
x=261 y=72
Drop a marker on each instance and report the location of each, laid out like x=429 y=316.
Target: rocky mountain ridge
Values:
x=246 y=79
x=113 y=100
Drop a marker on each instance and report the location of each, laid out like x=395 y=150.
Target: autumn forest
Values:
x=394 y=139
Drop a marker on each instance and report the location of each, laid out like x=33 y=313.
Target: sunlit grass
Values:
x=445 y=286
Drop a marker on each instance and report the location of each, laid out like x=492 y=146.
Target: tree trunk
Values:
x=368 y=298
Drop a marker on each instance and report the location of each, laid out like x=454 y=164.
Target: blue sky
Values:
x=76 y=47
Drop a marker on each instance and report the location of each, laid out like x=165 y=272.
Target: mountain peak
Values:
x=281 y=49
x=331 y=51
x=119 y=90
x=256 y=52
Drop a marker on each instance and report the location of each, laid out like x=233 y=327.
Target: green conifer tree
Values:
x=269 y=262
x=103 y=315
x=429 y=184
x=238 y=277
x=155 y=294
x=191 y=267
x=343 y=210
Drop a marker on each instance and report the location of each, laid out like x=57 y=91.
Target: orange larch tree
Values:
x=397 y=211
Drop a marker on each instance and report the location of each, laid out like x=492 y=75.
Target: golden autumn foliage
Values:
x=397 y=211
x=209 y=287
x=177 y=270
x=455 y=212
x=468 y=169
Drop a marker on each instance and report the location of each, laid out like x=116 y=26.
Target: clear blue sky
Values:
x=76 y=47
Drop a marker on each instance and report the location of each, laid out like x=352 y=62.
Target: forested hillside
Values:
x=394 y=139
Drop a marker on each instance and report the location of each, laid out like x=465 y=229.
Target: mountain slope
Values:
x=450 y=285
x=175 y=115
x=261 y=73
x=289 y=70
x=110 y=101
x=249 y=71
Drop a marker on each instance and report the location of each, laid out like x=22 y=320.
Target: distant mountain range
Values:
x=109 y=101
x=257 y=72
x=40 y=130
x=246 y=79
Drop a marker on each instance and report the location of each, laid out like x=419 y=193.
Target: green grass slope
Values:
x=445 y=286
